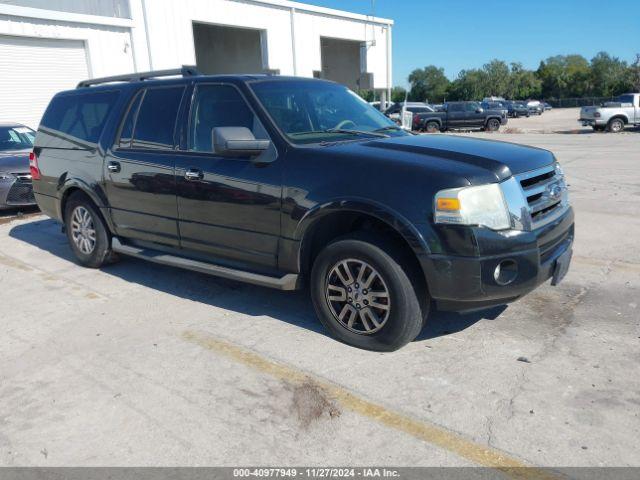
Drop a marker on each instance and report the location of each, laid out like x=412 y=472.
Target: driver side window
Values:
x=219 y=106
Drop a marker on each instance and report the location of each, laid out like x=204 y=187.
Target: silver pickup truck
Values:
x=613 y=116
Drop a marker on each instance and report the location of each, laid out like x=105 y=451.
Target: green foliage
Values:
x=398 y=94
x=367 y=95
x=561 y=76
x=428 y=84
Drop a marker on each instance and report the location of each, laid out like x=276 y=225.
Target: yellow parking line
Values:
x=428 y=432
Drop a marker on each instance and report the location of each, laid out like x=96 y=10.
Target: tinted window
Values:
x=126 y=133
x=219 y=106
x=82 y=116
x=625 y=99
x=471 y=107
x=156 y=121
x=16 y=138
x=456 y=107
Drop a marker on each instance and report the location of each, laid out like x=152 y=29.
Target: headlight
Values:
x=482 y=205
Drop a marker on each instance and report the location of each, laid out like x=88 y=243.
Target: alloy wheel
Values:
x=358 y=296
x=83 y=231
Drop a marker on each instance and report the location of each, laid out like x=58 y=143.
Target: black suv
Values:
x=280 y=181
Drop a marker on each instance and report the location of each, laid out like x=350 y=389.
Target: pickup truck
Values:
x=460 y=115
x=613 y=116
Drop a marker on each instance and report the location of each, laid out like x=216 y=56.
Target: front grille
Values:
x=21 y=192
x=546 y=193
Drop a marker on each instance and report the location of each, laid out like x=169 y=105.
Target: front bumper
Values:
x=16 y=192
x=463 y=283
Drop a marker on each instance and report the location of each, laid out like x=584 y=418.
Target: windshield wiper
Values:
x=344 y=131
x=387 y=128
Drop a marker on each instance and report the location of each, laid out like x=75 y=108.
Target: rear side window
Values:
x=156 y=119
x=81 y=116
x=456 y=107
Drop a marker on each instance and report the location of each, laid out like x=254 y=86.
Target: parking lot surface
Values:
x=138 y=364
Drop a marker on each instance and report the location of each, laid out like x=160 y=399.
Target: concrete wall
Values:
x=160 y=33
x=292 y=33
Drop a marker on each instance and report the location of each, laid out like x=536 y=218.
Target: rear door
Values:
x=139 y=169
x=230 y=208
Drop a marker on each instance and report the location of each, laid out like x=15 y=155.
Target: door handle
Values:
x=193 y=174
x=113 y=167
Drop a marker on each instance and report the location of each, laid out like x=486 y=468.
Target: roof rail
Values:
x=185 y=71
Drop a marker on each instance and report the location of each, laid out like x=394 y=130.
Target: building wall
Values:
x=170 y=33
x=159 y=33
x=109 y=48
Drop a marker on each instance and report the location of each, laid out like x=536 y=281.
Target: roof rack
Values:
x=185 y=71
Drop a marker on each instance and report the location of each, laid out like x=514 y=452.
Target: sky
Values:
x=463 y=34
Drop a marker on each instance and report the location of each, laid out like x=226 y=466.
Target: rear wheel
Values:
x=432 y=127
x=615 y=125
x=87 y=233
x=362 y=293
x=492 y=125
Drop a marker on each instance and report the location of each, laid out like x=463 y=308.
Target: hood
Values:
x=15 y=161
x=479 y=161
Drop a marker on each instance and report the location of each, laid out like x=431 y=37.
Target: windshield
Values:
x=16 y=138
x=313 y=112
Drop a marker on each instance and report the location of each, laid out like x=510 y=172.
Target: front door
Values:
x=139 y=169
x=228 y=208
x=455 y=115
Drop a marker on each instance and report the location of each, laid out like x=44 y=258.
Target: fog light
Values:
x=506 y=272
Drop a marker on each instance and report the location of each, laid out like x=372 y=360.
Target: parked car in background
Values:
x=546 y=106
x=493 y=99
x=262 y=179
x=16 y=142
x=460 y=115
x=535 y=107
x=500 y=106
x=613 y=116
x=437 y=107
x=517 y=109
x=395 y=110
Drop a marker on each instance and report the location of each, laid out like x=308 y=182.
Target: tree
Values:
x=610 y=75
x=496 y=78
x=470 y=85
x=523 y=83
x=635 y=74
x=428 y=84
x=398 y=94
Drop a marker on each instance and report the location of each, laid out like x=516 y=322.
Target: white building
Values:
x=49 y=45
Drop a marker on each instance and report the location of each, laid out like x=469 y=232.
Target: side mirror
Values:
x=480 y=110
x=236 y=142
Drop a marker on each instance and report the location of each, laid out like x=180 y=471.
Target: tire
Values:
x=400 y=315
x=87 y=232
x=432 y=127
x=493 y=124
x=615 y=125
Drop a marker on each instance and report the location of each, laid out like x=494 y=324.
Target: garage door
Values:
x=33 y=70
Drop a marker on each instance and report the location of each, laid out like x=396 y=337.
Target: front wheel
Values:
x=492 y=125
x=362 y=293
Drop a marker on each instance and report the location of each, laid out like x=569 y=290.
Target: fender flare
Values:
x=621 y=116
x=65 y=184
x=393 y=219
